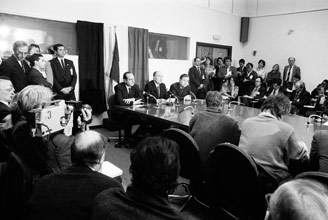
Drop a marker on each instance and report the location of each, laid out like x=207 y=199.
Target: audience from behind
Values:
x=37 y=75
x=197 y=77
x=299 y=199
x=260 y=70
x=181 y=89
x=319 y=151
x=156 y=87
x=289 y=72
x=248 y=80
x=69 y=193
x=273 y=74
x=229 y=89
x=211 y=127
x=46 y=155
x=272 y=142
x=276 y=88
x=226 y=72
x=154 y=169
x=15 y=67
x=299 y=97
x=64 y=74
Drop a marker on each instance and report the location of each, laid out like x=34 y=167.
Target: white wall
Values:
x=302 y=35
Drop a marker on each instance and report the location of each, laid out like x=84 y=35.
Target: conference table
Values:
x=179 y=115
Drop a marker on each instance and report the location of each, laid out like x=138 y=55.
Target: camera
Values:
x=56 y=116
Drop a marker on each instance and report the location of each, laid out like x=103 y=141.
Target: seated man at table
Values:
x=272 y=142
x=257 y=93
x=211 y=127
x=154 y=169
x=127 y=93
x=69 y=194
x=299 y=97
x=181 y=89
x=156 y=87
x=276 y=88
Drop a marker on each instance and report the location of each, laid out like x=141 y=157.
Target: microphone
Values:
x=185 y=108
x=146 y=93
x=195 y=98
x=174 y=96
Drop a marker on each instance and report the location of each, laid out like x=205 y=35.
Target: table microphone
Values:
x=195 y=98
x=146 y=93
x=174 y=97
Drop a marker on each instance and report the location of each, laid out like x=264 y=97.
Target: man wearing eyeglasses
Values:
x=15 y=67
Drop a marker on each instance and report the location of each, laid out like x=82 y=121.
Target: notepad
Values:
x=110 y=169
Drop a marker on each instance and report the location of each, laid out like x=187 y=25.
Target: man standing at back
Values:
x=289 y=72
x=15 y=67
x=156 y=87
x=197 y=75
x=64 y=74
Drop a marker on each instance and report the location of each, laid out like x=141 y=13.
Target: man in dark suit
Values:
x=156 y=87
x=247 y=81
x=196 y=76
x=37 y=75
x=64 y=74
x=319 y=152
x=242 y=70
x=289 y=72
x=226 y=72
x=181 y=89
x=15 y=67
x=276 y=88
x=128 y=93
x=299 y=98
x=69 y=194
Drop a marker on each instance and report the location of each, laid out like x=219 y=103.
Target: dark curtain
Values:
x=138 y=55
x=115 y=71
x=90 y=38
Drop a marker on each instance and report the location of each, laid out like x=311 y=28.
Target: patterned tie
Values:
x=288 y=75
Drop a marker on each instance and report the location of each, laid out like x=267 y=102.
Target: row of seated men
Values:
x=28 y=67
x=75 y=189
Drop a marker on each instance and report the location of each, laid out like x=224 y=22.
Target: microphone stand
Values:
x=177 y=99
x=150 y=95
x=195 y=98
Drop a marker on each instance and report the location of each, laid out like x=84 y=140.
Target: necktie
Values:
x=62 y=63
x=288 y=74
x=158 y=91
x=23 y=67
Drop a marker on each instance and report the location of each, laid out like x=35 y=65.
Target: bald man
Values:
x=156 y=87
x=69 y=194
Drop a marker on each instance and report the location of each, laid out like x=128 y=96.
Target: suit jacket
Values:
x=281 y=90
x=36 y=78
x=121 y=92
x=304 y=98
x=4 y=111
x=243 y=71
x=151 y=88
x=223 y=72
x=68 y=194
x=133 y=204
x=63 y=78
x=260 y=93
x=319 y=152
x=178 y=92
x=296 y=71
x=12 y=69
x=195 y=78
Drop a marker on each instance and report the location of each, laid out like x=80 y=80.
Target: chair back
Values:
x=190 y=164
x=21 y=181
x=112 y=123
x=319 y=176
x=233 y=183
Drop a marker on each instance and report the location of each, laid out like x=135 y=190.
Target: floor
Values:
x=120 y=157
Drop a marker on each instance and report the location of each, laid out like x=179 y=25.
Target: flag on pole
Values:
x=115 y=70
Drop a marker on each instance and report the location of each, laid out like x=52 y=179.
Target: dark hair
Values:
x=57 y=45
x=242 y=61
x=260 y=77
x=124 y=75
x=155 y=73
x=278 y=105
x=183 y=75
x=262 y=61
x=211 y=62
x=219 y=58
x=297 y=76
x=213 y=99
x=88 y=153
x=249 y=64
x=277 y=80
x=196 y=59
x=225 y=59
x=320 y=86
x=31 y=46
x=155 y=165
x=34 y=57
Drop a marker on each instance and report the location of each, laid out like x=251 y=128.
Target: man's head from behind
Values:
x=299 y=199
x=213 y=99
x=277 y=105
x=33 y=48
x=7 y=90
x=158 y=77
x=155 y=165
x=89 y=149
x=20 y=49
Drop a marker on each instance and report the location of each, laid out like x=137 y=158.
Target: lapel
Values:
x=18 y=66
x=60 y=67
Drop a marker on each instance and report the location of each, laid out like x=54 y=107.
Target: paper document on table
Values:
x=110 y=169
x=325 y=124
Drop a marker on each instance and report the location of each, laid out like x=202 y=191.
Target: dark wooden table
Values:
x=180 y=116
